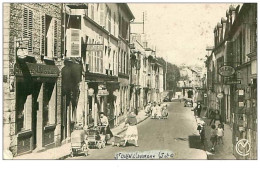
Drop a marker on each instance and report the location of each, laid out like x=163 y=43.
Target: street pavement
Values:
x=177 y=134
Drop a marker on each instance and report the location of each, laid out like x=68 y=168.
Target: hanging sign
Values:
x=95 y=47
x=226 y=71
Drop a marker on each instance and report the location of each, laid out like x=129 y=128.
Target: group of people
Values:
x=217 y=129
x=130 y=123
x=157 y=110
x=216 y=124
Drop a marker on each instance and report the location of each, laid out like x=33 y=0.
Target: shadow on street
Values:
x=195 y=142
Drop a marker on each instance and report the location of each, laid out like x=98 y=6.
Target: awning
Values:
x=77 y=6
x=36 y=70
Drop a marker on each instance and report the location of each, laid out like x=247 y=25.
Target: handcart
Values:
x=118 y=140
x=78 y=143
x=95 y=139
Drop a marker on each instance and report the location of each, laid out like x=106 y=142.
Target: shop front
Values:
x=36 y=105
x=101 y=97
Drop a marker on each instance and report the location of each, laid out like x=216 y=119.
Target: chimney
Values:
x=228 y=21
x=224 y=23
x=215 y=36
x=219 y=28
x=232 y=12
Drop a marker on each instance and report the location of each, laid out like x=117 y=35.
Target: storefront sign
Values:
x=220 y=95
x=38 y=70
x=233 y=82
x=226 y=71
x=95 y=47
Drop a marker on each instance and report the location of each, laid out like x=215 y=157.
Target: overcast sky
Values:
x=180 y=32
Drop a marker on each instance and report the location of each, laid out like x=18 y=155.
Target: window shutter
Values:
x=55 y=43
x=28 y=27
x=101 y=61
x=30 y=46
x=102 y=16
x=25 y=23
x=74 y=43
x=43 y=34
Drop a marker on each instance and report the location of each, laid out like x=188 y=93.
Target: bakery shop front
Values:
x=36 y=104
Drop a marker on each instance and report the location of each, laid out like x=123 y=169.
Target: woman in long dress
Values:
x=131 y=132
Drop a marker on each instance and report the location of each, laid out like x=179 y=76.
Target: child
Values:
x=220 y=133
x=213 y=137
x=165 y=112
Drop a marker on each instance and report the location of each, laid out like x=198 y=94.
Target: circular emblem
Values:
x=226 y=71
x=243 y=147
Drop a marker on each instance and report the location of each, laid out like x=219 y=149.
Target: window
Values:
x=92 y=12
x=119 y=60
x=49 y=103
x=122 y=62
x=102 y=14
x=49 y=36
x=109 y=20
x=23 y=107
x=114 y=24
x=28 y=27
x=120 y=29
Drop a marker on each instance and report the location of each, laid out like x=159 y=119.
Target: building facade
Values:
x=231 y=74
x=32 y=81
x=66 y=63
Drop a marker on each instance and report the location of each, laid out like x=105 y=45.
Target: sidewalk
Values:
x=222 y=151
x=64 y=150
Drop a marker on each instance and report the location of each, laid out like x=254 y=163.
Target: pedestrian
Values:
x=217 y=119
x=131 y=132
x=220 y=134
x=165 y=112
x=148 y=109
x=106 y=129
x=213 y=137
x=159 y=111
x=154 y=108
x=198 y=109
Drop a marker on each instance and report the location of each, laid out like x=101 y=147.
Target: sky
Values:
x=180 y=32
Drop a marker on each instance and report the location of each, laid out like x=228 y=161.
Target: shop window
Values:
x=28 y=27
x=49 y=36
x=23 y=107
x=49 y=103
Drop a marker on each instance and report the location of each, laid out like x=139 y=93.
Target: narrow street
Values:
x=177 y=134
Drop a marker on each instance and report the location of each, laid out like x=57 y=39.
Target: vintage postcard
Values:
x=129 y=81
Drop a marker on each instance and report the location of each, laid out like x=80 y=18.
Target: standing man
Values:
x=198 y=109
x=106 y=129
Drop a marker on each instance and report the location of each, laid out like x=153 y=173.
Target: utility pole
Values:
x=165 y=75
x=140 y=22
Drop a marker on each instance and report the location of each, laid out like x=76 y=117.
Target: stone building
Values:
x=231 y=74
x=102 y=31
x=32 y=82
